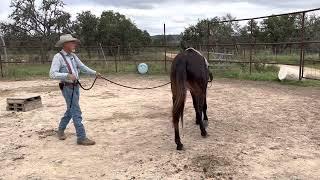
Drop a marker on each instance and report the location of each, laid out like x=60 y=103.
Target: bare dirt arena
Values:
x=257 y=130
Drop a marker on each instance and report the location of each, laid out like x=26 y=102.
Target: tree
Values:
x=87 y=28
x=44 y=22
x=279 y=29
x=217 y=32
x=245 y=32
x=116 y=29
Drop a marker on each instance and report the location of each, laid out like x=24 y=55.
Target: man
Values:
x=65 y=67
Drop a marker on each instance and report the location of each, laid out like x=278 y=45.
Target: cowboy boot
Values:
x=86 y=142
x=61 y=135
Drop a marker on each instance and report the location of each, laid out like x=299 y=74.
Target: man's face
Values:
x=70 y=46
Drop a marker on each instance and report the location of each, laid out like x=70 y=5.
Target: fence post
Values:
x=5 y=55
x=104 y=56
x=119 y=57
x=251 y=46
x=208 y=41
x=115 y=60
x=165 y=47
x=1 y=66
x=302 y=47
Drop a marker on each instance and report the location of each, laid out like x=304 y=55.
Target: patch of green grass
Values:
x=260 y=72
x=303 y=83
x=24 y=71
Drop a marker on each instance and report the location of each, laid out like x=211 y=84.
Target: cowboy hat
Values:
x=66 y=38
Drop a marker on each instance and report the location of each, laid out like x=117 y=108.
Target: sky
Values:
x=150 y=15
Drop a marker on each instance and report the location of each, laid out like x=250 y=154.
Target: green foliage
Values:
x=32 y=21
x=115 y=29
x=86 y=27
x=45 y=22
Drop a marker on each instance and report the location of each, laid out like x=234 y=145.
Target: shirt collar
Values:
x=65 y=53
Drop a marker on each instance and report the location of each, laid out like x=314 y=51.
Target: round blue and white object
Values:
x=143 y=68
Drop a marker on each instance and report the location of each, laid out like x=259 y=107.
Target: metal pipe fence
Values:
x=120 y=58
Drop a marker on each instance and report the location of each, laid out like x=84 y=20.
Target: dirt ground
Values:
x=257 y=130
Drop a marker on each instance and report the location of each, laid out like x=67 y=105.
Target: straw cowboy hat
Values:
x=66 y=38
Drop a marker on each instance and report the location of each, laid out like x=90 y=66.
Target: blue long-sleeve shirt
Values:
x=59 y=69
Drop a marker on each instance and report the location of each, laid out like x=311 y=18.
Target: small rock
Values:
x=18 y=158
x=174 y=165
x=59 y=161
x=140 y=162
x=274 y=148
x=178 y=170
x=132 y=178
x=185 y=167
x=244 y=152
x=151 y=159
x=205 y=170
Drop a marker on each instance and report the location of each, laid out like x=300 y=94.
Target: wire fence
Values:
x=249 y=57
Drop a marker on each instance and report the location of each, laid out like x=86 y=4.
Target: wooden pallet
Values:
x=24 y=104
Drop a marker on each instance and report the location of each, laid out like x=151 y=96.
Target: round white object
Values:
x=142 y=68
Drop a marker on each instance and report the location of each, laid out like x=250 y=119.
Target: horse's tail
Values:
x=180 y=89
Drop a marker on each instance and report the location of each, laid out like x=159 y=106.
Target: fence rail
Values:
x=298 y=53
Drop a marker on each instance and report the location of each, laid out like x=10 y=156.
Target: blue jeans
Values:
x=74 y=113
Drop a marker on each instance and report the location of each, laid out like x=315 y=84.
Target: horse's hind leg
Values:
x=195 y=104
x=199 y=111
x=205 y=117
x=177 y=136
x=176 y=129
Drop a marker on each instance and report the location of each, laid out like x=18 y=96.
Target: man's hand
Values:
x=71 y=77
x=98 y=75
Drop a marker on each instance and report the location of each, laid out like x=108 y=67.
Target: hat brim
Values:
x=61 y=42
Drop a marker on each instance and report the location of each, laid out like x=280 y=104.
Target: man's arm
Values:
x=83 y=68
x=55 y=67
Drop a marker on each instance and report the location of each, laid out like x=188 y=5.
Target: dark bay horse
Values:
x=189 y=70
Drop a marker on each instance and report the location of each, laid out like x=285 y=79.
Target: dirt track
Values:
x=256 y=131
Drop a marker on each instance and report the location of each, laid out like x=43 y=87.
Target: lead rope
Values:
x=118 y=84
x=125 y=86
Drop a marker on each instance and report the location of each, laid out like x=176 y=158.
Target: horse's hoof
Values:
x=180 y=147
x=204 y=134
x=205 y=123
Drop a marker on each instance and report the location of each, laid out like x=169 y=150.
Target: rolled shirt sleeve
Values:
x=55 y=69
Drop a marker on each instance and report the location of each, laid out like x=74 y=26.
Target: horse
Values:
x=189 y=70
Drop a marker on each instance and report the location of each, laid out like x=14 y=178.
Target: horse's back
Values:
x=195 y=64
